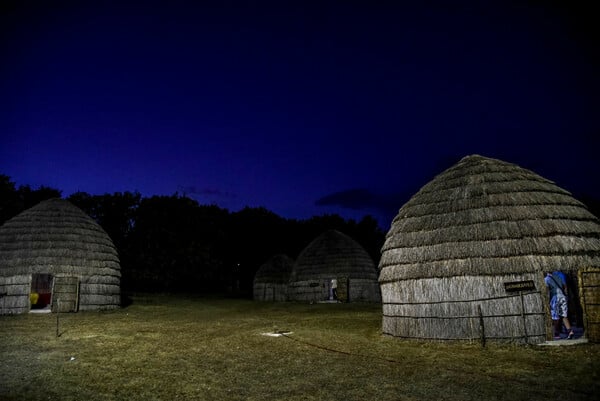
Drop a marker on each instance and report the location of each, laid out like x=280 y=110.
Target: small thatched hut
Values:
x=334 y=255
x=271 y=279
x=460 y=249
x=54 y=255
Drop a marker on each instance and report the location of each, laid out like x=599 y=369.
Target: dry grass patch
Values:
x=201 y=349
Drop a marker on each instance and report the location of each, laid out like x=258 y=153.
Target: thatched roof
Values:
x=333 y=254
x=56 y=237
x=276 y=270
x=485 y=216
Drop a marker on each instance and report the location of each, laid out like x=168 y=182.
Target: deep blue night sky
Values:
x=305 y=108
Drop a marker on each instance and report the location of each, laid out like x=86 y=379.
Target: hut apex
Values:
x=465 y=257
x=54 y=256
x=334 y=256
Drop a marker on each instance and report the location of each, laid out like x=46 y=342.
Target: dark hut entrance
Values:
x=41 y=291
x=269 y=294
x=343 y=289
x=54 y=293
x=577 y=289
x=575 y=309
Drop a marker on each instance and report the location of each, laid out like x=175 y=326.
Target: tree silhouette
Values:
x=13 y=201
x=115 y=213
x=174 y=244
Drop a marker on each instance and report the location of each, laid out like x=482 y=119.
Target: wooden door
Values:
x=589 y=296
x=65 y=294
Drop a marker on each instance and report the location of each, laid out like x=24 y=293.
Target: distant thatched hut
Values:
x=456 y=246
x=271 y=279
x=54 y=254
x=334 y=255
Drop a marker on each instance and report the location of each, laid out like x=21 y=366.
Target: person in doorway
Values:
x=334 y=288
x=557 y=286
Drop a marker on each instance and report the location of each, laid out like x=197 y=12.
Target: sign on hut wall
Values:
x=514 y=286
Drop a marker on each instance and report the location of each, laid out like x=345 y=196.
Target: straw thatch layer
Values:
x=488 y=209
x=14 y=294
x=483 y=266
x=334 y=255
x=472 y=228
x=271 y=279
x=448 y=308
x=57 y=238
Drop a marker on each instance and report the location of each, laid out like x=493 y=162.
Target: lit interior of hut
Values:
x=41 y=291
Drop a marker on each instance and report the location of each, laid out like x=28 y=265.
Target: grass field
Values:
x=173 y=348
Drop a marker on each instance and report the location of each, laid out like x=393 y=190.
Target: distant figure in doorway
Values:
x=334 y=288
x=557 y=286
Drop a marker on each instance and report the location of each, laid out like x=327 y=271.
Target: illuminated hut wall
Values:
x=55 y=246
x=334 y=255
x=455 y=245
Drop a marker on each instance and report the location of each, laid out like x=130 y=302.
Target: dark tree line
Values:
x=14 y=200
x=174 y=244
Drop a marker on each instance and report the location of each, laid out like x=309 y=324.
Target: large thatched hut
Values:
x=464 y=258
x=55 y=256
x=271 y=279
x=334 y=255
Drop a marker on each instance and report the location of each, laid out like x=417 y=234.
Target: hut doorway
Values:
x=41 y=292
x=574 y=299
x=269 y=293
x=577 y=287
x=343 y=289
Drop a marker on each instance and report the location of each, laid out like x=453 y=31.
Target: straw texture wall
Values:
x=334 y=255
x=14 y=294
x=271 y=279
x=55 y=237
x=477 y=225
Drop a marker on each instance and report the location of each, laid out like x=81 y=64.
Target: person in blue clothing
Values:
x=557 y=286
